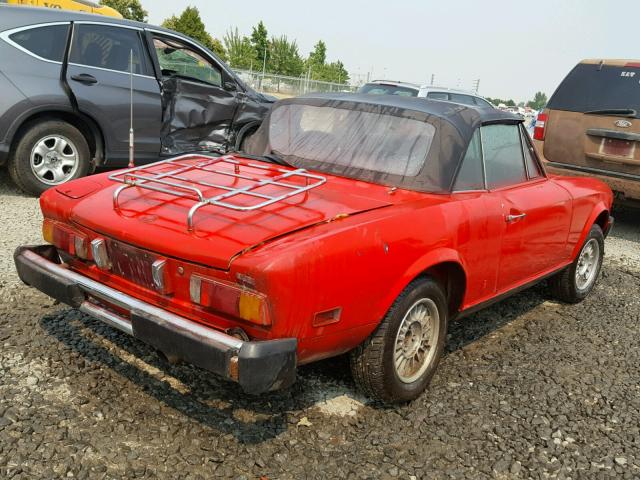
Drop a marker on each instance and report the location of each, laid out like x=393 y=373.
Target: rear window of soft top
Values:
x=592 y=87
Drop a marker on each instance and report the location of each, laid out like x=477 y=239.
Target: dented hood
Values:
x=158 y=222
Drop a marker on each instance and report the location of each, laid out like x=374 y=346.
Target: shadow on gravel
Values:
x=211 y=401
x=627 y=226
x=467 y=330
x=222 y=405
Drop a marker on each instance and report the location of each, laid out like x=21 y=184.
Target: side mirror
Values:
x=230 y=86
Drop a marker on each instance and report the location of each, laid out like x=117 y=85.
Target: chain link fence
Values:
x=284 y=86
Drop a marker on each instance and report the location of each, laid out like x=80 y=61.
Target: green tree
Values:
x=260 y=42
x=240 y=52
x=333 y=72
x=318 y=57
x=539 y=101
x=321 y=70
x=284 y=57
x=190 y=23
x=130 y=9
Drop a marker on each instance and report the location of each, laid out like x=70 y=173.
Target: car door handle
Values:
x=85 y=78
x=515 y=218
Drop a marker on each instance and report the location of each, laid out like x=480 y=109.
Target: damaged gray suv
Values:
x=65 y=95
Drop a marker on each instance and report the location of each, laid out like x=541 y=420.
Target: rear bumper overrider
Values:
x=258 y=366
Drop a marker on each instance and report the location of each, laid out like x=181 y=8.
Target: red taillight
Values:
x=66 y=238
x=231 y=299
x=538 y=131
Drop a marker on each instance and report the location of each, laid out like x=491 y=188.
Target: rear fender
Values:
x=597 y=210
x=431 y=259
x=89 y=128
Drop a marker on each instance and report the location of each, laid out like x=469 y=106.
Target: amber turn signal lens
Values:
x=252 y=308
x=47 y=231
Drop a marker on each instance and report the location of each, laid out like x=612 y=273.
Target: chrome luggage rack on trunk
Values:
x=160 y=177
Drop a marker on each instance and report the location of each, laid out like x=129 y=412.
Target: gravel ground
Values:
x=529 y=388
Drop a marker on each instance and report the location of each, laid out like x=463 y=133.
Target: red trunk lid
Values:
x=157 y=221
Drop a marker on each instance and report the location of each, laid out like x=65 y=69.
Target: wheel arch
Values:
x=445 y=266
x=603 y=219
x=243 y=131
x=599 y=216
x=453 y=278
x=89 y=128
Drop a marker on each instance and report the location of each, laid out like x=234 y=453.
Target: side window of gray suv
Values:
x=45 y=42
x=438 y=95
x=107 y=47
x=177 y=58
x=463 y=99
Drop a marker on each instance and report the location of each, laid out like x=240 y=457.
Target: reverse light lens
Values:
x=231 y=299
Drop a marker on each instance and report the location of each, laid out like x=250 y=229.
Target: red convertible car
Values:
x=351 y=223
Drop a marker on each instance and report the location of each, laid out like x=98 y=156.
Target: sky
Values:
x=514 y=47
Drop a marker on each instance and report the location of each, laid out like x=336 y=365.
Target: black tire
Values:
x=243 y=135
x=20 y=160
x=565 y=285
x=373 y=363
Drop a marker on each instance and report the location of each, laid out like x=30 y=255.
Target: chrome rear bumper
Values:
x=257 y=366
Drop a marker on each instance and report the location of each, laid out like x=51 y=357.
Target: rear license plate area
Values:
x=617 y=147
x=131 y=263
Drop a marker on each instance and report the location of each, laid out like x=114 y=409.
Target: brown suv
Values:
x=591 y=125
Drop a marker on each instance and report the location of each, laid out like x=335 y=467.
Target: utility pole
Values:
x=433 y=77
x=476 y=85
x=264 y=65
x=264 y=61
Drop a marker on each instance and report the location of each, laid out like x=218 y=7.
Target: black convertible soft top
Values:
x=408 y=142
x=439 y=108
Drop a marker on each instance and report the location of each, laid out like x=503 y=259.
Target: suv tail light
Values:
x=538 y=131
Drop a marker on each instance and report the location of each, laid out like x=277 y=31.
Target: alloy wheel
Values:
x=415 y=343
x=54 y=159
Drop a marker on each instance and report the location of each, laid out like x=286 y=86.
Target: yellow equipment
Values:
x=77 y=5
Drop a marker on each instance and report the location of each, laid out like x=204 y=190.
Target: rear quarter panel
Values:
x=29 y=86
x=590 y=197
x=361 y=264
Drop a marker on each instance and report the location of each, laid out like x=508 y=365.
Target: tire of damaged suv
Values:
x=49 y=153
